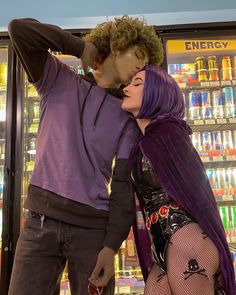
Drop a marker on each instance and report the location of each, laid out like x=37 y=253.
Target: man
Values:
x=82 y=128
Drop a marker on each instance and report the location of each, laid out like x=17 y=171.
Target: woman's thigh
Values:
x=157 y=282
x=192 y=262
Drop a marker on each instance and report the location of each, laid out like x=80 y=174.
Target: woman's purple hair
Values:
x=161 y=95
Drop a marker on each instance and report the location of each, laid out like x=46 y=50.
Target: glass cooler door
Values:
x=205 y=69
x=3 y=96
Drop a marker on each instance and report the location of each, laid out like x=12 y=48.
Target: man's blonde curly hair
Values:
x=125 y=32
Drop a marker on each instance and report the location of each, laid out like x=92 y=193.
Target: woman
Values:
x=188 y=242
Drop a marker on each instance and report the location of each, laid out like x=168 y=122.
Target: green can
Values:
x=225 y=217
x=233 y=223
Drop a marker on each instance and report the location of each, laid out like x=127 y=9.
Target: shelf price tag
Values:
x=124 y=289
x=221 y=121
x=210 y=122
x=205 y=84
x=225 y=83
x=218 y=158
x=198 y=122
x=232 y=120
x=205 y=159
x=227 y=198
x=214 y=83
x=182 y=85
x=231 y=158
x=3 y=87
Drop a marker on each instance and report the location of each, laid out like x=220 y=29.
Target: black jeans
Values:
x=44 y=247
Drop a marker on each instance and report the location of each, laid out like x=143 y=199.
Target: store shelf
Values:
x=206 y=84
x=225 y=200
x=212 y=162
x=220 y=201
x=213 y=124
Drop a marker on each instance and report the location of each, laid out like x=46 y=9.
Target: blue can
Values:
x=211 y=174
x=229 y=95
x=229 y=102
x=206 y=141
x=194 y=105
x=205 y=98
x=216 y=140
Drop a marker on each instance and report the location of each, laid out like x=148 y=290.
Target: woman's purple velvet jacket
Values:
x=180 y=171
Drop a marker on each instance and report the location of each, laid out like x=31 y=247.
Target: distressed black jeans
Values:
x=44 y=247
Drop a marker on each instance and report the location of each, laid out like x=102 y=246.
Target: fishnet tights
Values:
x=192 y=262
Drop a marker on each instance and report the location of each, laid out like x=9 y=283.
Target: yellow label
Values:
x=198 y=46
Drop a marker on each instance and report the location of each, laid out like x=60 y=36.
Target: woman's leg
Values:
x=192 y=262
x=157 y=282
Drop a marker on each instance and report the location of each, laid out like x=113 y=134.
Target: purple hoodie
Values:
x=93 y=129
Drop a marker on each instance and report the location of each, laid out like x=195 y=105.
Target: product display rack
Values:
x=207 y=78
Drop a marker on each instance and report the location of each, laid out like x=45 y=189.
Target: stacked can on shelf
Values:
x=214 y=140
x=207 y=68
x=206 y=104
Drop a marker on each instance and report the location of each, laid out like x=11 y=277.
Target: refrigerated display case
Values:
x=7 y=148
x=204 y=66
x=3 y=97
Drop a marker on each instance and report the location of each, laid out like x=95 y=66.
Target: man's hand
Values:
x=89 y=56
x=104 y=268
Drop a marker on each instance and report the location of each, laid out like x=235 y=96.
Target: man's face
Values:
x=129 y=62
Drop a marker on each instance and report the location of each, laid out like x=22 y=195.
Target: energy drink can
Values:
x=185 y=107
x=216 y=140
x=196 y=140
x=212 y=68
x=227 y=139
x=226 y=68
x=206 y=141
x=234 y=138
x=211 y=174
x=229 y=178
x=206 y=108
x=233 y=225
x=194 y=105
x=201 y=69
x=218 y=104
x=234 y=67
x=229 y=102
x=224 y=214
